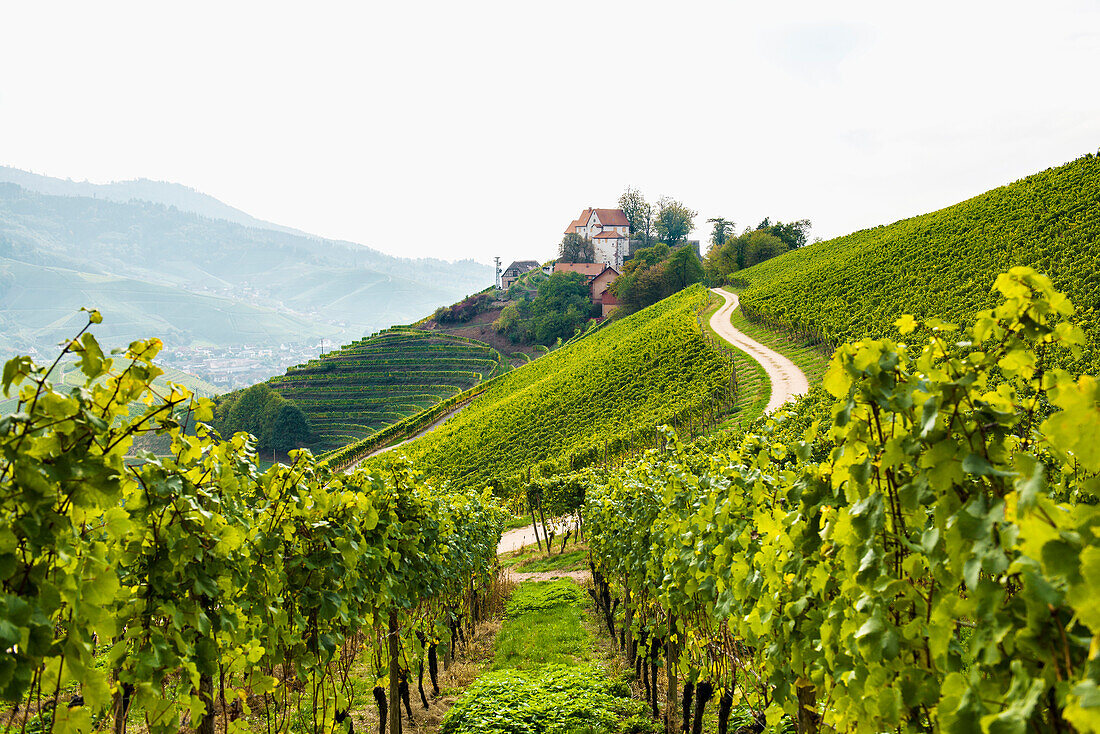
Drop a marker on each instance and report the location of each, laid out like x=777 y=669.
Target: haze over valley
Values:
x=234 y=299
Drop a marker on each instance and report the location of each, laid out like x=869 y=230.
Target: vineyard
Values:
x=943 y=264
x=588 y=401
x=193 y=587
x=918 y=552
x=363 y=387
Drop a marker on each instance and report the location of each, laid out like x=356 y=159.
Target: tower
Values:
x=497 y=261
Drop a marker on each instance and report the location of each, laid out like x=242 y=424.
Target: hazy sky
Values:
x=474 y=129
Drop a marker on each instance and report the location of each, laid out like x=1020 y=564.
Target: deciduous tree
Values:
x=576 y=249
x=674 y=221
x=792 y=234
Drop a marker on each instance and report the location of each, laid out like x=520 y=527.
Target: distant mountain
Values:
x=182 y=197
x=197 y=281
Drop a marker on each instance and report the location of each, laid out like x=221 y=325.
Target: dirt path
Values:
x=581 y=577
x=515 y=539
x=787 y=380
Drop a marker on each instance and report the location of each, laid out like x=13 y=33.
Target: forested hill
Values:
x=943 y=264
x=155 y=270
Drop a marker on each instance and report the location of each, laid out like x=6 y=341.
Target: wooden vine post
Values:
x=671 y=657
x=395 y=692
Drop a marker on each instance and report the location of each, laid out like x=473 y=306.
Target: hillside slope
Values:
x=600 y=395
x=943 y=264
x=367 y=385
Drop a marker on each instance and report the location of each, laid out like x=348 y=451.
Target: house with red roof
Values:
x=609 y=231
x=599 y=277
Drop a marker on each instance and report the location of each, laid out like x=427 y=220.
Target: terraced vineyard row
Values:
x=943 y=264
x=364 y=386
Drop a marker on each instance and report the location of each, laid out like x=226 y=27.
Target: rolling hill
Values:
x=594 y=398
x=943 y=264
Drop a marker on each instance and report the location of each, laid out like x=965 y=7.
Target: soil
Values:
x=581 y=577
x=481 y=328
x=516 y=539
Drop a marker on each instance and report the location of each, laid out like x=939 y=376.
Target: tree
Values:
x=562 y=305
x=276 y=422
x=656 y=273
x=792 y=234
x=723 y=228
x=639 y=214
x=760 y=246
x=682 y=269
x=576 y=249
x=289 y=429
x=674 y=221
x=247 y=412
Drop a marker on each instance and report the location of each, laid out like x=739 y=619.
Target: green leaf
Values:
x=906 y=324
x=977 y=464
x=1076 y=429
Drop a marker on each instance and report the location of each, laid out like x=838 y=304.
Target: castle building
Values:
x=609 y=231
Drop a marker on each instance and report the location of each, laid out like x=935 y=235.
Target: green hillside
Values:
x=943 y=264
x=599 y=396
x=364 y=386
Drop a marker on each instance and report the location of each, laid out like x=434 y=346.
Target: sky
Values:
x=482 y=129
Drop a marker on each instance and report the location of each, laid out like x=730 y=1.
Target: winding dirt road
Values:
x=787 y=380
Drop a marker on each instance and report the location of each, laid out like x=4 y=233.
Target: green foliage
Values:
x=639 y=213
x=563 y=305
x=557 y=700
x=673 y=221
x=923 y=558
x=576 y=249
x=164 y=574
x=722 y=230
x=655 y=273
x=596 y=397
x=276 y=422
x=944 y=263
x=792 y=234
x=745 y=250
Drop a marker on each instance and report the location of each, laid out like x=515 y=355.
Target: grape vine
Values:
x=923 y=558
x=166 y=587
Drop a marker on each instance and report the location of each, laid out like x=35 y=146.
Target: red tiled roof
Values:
x=612 y=217
x=589 y=270
x=579 y=221
x=609 y=235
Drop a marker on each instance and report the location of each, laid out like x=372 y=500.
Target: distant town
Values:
x=229 y=368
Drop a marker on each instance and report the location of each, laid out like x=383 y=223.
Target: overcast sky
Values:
x=474 y=129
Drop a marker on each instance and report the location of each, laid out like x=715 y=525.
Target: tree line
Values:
x=277 y=423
